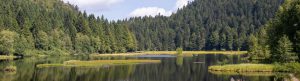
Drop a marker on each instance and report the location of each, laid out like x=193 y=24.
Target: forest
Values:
x=43 y=27
x=204 y=25
x=279 y=39
x=215 y=40
x=52 y=27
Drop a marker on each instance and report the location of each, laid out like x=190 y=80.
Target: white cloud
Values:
x=181 y=3
x=93 y=5
x=153 y=11
x=149 y=11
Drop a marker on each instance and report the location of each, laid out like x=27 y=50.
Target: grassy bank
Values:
x=242 y=68
x=4 y=57
x=185 y=53
x=244 y=73
x=97 y=63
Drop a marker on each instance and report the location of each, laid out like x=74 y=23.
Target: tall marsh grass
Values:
x=98 y=63
x=244 y=68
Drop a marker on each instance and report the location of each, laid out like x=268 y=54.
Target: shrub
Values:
x=179 y=51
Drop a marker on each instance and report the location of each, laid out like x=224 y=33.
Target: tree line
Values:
x=204 y=25
x=52 y=27
x=279 y=39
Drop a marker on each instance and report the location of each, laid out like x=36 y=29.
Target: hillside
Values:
x=205 y=25
x=51 y=27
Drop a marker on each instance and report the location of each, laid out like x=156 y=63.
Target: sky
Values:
x=121 y=9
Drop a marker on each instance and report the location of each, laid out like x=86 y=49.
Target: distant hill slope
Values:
x=51 y=27
x=205 y=25
x=54 y=28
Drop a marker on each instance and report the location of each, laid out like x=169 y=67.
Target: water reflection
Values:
x=170 y=69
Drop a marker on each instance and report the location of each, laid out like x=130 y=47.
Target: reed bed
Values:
x=243 y=73
x=5 y=57
x=243 y=68
x=98 y=63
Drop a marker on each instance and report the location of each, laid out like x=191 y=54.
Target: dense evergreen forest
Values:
x=279 y=39
x=52 y=27
x=205 y=25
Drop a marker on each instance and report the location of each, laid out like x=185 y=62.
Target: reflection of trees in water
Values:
x=85 y=74
x=179 y=60
x=28 y=72
x=171 y=69
x=7 y=70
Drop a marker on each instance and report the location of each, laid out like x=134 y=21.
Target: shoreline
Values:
x=98 y=63
x=258 y=68
x=5 y=57
x=185 y=53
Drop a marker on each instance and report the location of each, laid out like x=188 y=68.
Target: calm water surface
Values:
x=170 y=69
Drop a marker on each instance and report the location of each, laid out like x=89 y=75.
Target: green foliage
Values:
x=7 y=41
x=253 y=47
x=200 y=26
x=287 y=67
x=52 y=27
x=284 y=51
x=179 y=51
x=279 y=37
x=43 y=41
x=298 y=43
x=258 y=50
x=282 y=32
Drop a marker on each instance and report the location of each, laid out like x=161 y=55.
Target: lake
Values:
x=171 y=68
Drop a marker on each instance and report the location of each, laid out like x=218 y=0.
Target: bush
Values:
x=287 y=67
x=179 y=51
x=7 y=40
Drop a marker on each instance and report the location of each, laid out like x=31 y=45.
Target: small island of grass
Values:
x=4 y=57
x=245 y=73
x=248 y=68
x=243 y=68
x=97 y=63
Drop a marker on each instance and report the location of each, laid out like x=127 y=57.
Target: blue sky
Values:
x=120 y=9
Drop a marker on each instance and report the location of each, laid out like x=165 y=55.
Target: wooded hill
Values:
x=279 y=39
x=51 y=27
x=205 y=25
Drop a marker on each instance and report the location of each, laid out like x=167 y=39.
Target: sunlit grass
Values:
x=10 y=70
x=50 y=65
x=243 y=73
x=4 y=57
x=185 y=53
x=98 y=63
x=260 y=68
x=243 y=68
